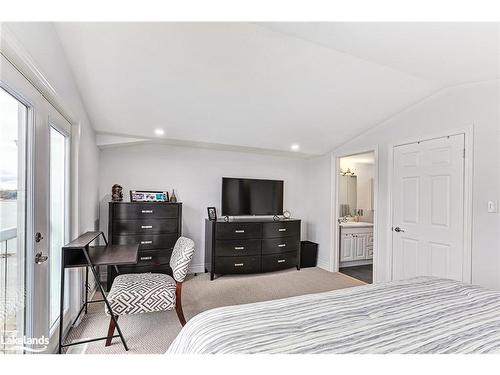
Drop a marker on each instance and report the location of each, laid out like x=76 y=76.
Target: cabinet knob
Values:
x=238 y=264
x=239 y=248
x=282 y=245
x=146 y=227
x=239 y=231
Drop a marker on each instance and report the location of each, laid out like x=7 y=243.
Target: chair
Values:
x=149 y=292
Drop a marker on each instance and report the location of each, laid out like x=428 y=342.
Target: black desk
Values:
x=79 y=253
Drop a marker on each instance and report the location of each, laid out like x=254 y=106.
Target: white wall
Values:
x=318 y=205
x=196 y=175
x=453 y=108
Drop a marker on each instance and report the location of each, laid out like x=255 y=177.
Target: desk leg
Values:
x=101 y=289
x=86 y=288
x=61 y=308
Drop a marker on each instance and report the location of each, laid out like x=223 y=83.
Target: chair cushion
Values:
x=141 y=292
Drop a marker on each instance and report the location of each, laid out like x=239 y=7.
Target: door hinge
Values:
x=463 y=153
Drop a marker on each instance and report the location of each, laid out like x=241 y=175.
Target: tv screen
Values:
x=243 y=196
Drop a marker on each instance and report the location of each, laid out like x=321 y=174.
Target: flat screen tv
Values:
x=244 y=196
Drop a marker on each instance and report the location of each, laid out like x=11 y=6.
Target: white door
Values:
x=428 y=209
x=34 y=196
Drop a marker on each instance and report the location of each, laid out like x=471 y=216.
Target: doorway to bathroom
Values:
x=355 y=211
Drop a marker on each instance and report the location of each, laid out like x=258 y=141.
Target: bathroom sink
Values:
x=354 y=224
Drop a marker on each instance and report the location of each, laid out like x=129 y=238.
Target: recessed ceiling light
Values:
x=159 y=131
x=295 y=147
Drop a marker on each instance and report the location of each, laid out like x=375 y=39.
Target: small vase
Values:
x=173 y=198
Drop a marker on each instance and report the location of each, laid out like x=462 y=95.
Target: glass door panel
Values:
x=58 y=215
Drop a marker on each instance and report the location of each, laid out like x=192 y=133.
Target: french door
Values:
x=428 y=209
x=34 y=213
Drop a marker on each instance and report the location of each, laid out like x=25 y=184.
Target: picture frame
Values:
x=212 y=213
x=148 y=196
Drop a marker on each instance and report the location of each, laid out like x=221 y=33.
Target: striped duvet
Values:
x=421 y=315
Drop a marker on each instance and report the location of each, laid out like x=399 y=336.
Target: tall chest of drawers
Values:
x=251 y=246
x=155 y=226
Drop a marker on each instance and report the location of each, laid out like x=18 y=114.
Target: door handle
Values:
x=40 y=258
x=398 y=229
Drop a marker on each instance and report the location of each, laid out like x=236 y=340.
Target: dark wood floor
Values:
x=363 y=273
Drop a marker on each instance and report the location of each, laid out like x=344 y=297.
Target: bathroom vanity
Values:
x=356 y=243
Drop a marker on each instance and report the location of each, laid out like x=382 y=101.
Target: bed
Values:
x=420 y=315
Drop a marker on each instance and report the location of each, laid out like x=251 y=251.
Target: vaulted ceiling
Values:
x=267 y=85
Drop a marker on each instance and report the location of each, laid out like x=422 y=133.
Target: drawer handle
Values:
x=146 y=258
x=147 y=211
x=146 y=226
x=146 y=242
x=239 y=264
x=239 y=231
x=239 y=248
x=282 y=230
x=281 y=260
x=282 y=245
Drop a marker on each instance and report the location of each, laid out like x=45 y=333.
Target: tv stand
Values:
x=251 y=245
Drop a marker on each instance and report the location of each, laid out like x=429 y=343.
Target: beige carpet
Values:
x=153 y=333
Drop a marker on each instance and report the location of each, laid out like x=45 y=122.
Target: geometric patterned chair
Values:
x=138 y=293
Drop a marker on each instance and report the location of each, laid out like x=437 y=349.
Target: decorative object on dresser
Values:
x=155 y=226
x=149 y=196
x=212 y=213
x=173 y=198
x=116 y=193
x=251 y=246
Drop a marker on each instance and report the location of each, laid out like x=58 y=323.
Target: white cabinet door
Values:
x=428 y=209
x=360 y=246
x=347 y=248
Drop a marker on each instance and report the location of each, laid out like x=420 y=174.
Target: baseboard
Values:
x=356 y=263
x=323 y=264
x=197 y=268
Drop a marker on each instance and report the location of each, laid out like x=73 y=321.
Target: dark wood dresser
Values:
x=251 y=246
x=155 y=226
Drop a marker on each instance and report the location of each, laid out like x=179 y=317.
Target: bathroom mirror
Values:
x=347 y=195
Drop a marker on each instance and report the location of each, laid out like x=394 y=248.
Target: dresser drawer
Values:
x=280 y=245
x=280 y=229
x=154 y=257
x=232 y=248
x=145 y=211
x=237 y=264
x=276 y=262
x=147 y=241
x=238 y=230
x=145 y=226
